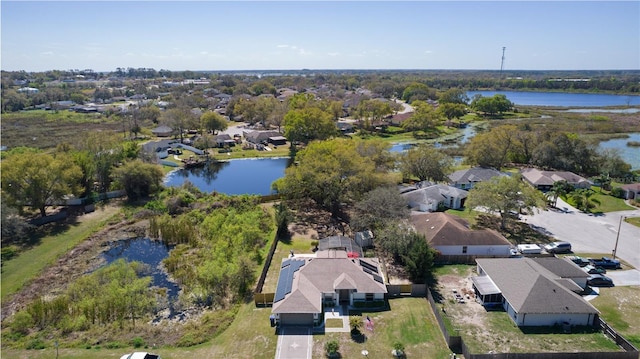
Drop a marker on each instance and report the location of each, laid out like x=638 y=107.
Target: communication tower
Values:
x=502 y=62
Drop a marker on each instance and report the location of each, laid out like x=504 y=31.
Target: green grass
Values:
x=29 y=263
x=410 y=321
x=619 y=307
x=466 y=214
x=608 y=203
x=633 y=220
x=333 y=323
x=283 y=249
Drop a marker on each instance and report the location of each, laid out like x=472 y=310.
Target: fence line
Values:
x=457 y=344
x=267 y=264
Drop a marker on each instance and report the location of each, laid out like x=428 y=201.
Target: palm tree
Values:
x=583 y=199
x=559 y=189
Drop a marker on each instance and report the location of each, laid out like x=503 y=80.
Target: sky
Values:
x=293 y=35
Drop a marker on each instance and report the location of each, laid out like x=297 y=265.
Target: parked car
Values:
x=581 y=262
x=558 y=247
x=140 y=355
x=594 y=270
x=605 y=262
x=599 y=280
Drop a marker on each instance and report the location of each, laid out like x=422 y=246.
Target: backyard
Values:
x=620 y=308
x=493 y=331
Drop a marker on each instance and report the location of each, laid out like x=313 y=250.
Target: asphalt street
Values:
x=589 y=233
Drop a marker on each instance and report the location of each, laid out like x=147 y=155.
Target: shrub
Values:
x=332 y=347
x=617 y=192
x=137 y=342
x=21 y=323
x=35 y=344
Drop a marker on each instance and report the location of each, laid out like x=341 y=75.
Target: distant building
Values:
x=544 y=180
x=467 y=179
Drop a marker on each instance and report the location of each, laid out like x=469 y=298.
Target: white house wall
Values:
x=531 y=319
x=484 y=250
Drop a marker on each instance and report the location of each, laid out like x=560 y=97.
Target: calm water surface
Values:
x=234 y=177
x=146 y=251
x=629 y=154
x=562 y=99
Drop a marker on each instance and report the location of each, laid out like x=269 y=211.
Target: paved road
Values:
x=294 y=343
x=624 y=277
x=592 y=234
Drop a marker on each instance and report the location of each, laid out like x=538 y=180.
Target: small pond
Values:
x=629 y=154
x=233 y=177
x=149 y=252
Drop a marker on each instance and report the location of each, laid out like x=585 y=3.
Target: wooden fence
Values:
x=411 y=290
x=457 y=345
x=267 y=264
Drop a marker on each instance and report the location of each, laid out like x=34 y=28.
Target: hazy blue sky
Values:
x=242 y=35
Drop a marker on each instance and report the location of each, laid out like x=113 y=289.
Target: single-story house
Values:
x=223 y=140
x=544 y=180
x=332 y=278
x=466 y=179
x=427 y=199
x=261 y=137
x=277 y=140
x=534 y=291
x=162 y=131
x=631 y=190
x=455 y=241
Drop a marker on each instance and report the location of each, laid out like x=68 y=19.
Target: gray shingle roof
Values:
x=531 y=288
x=474 y=174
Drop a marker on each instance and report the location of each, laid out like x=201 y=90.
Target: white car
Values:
x=140 y=355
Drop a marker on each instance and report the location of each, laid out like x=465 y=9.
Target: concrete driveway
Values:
x=624 y=277
x=588 y=233
x=294 y=343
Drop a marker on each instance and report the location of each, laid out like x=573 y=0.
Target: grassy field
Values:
x=29 y=263
x=620 y=308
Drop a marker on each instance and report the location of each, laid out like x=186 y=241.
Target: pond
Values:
x=562 y=99
x=233 y=177
x=146 y=251
x=629 y=154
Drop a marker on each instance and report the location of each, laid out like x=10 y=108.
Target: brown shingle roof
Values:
x=442 y=229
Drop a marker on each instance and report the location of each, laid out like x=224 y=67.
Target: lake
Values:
x=630 y=155
x=234 y=177
x=562 y=99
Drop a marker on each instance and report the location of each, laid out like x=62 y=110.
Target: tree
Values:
x=453 y=96
x=492 y=149
x=418 y=91
x=423 y=119
x=452 y=110
x=494 y=105
x=213 y=121
x=378 y=207
x=308 y=124
x=426 y=163
x=559 y=189
x=583 y=200
x=331 y=173
x=139 y=179
x=504 y=195
x=13 y=226
x=39 y=180
x=418 y=262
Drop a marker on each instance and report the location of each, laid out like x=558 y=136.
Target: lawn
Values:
x=283 y=250
x=410 y=322
x=606 y=203
x=20 y=270
x=620 y=308
x=484 y=331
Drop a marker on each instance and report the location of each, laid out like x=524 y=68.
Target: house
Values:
x=162 y=131
x=330 y=278
x=466 y=179
x=544 y=180
x=277 y=140
x=631 y=191
x=261 y=137
x=223 y=140
x=455 y=241
x=535 y=291
x=429 y=198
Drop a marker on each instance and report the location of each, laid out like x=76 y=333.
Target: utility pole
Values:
x=502 y=62
x=615 y=249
